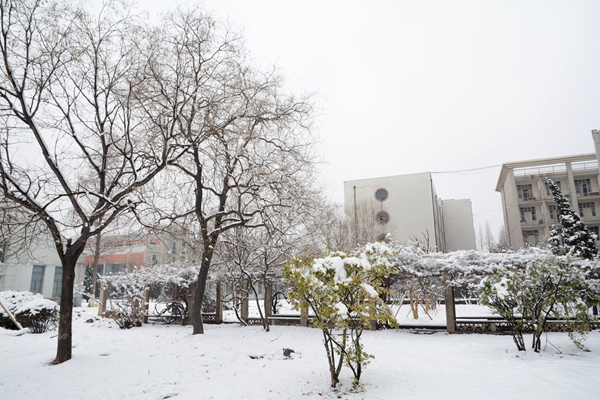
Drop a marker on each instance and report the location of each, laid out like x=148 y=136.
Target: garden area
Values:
x=381 y=334
x=166 y=361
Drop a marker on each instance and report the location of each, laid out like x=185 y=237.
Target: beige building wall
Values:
x=528 y=205
x=458 y=224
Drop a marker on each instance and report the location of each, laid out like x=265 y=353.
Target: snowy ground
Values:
x=233 y=362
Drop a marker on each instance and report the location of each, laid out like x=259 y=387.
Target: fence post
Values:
x=146 y=304
x=304 y=317
x=103 y=299
x=450 y=307
x=219 y=304
x=244 y=292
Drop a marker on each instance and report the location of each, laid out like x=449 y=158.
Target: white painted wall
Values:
x=458 y=225
x=409 y=204
x=16 y=272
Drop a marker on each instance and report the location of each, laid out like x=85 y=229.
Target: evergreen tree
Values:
x=576 y=237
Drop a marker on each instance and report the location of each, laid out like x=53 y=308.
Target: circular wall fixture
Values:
x=381 y=194
x=382 y=218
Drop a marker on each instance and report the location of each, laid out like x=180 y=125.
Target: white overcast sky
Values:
x=434 y=85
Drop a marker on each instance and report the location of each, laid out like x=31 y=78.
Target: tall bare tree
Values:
x=248 y=143
x=71 y=93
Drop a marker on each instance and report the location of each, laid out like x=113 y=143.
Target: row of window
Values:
x=553 y=213
x=37 y=280
x=583 y=187
x=532 y=237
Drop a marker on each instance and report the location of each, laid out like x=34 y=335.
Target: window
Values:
x=115 y=268
x=57 y=286
x=381 y=194
x=37 y=279
x=583 y=187
x=154 y=259
x=525 y=191
x=553 y=212
x=591 y=206
x=525 y=210
x=548 y=191
x=531 y=237
x=594 y=230
x=383 y=218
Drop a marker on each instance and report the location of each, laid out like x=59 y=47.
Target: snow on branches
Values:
x=343 y=292
x=577 y=239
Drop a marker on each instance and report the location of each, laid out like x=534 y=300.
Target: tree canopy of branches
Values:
x=577 y=239
x=76 y=141
x=247 y=143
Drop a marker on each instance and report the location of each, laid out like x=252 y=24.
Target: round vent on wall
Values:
x=381 y=194
x=383 y=218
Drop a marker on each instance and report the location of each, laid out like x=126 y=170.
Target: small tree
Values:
x=551 y=288
x=500 y=292
x=576 y=237
x=343 y=291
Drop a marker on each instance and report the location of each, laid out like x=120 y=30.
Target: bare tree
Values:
x=335 y=228
x=365 y=226
x=489 y=241
x=71 y=95
x=248 y=144
x=480 y=239
x=502 y=238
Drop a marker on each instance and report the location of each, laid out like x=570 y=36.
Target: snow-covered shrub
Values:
x=30 y=310
x=550 y=288
x=343 y=291
x=126 y=289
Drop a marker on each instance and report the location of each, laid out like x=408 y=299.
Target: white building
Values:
x=407 y=208
x=37 y=269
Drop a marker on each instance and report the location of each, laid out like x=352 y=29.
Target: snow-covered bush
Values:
x=343 y=291
x=550 y=288
x=126 y=289
x=31 y=310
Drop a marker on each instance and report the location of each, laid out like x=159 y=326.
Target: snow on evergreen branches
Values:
x=576 y=238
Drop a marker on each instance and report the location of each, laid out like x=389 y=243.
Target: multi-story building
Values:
x=407 y=208
x=123 y=253
x=528 y=205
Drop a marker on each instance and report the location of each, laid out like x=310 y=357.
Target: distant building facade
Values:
x=123 y=253
x=407 y=208
x=37 y=269
x=527 y=203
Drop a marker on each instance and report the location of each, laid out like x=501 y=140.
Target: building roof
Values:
x=539 y=163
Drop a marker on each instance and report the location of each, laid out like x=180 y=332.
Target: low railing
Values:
x=490 y=324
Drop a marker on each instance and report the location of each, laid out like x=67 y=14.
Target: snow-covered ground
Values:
x=233 y=362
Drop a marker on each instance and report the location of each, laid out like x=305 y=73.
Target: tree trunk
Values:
x=65 y=329
x=199 y=296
